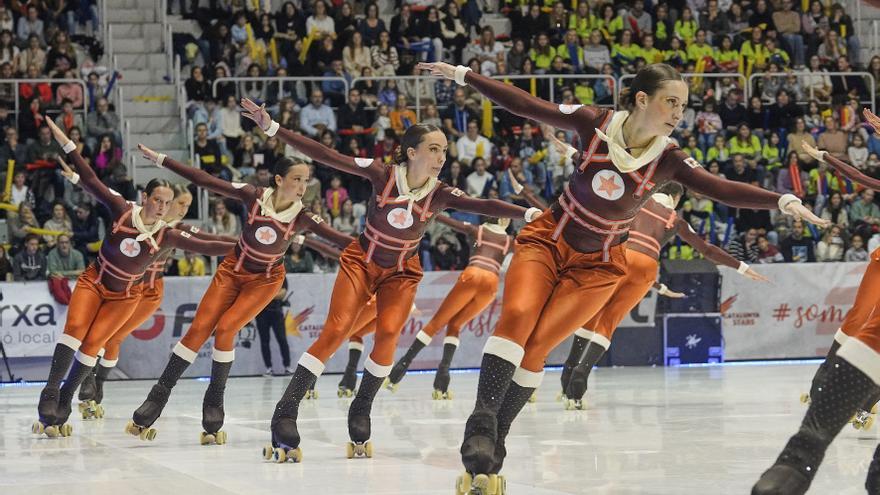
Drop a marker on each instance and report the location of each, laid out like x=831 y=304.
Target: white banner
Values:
x=794 y=316
x=30 y=319
x=31 y=322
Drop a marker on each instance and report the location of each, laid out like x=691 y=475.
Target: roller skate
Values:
x=47 y=409
x=863 y=420
x=441 y=384
x=212 y=421
x=348 y=384
x=805 y=398
x=577 y=388
x=388 y=384
x=285 y=441
x=144 y=417
x=89 y=405
x=359 y=431
x=481 y=484
x=311 y=394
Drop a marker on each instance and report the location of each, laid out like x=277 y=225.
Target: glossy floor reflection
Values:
x=647 y=431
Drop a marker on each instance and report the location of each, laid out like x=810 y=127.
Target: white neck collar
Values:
x=624 y=161
x=267 y=208
x=664 y=199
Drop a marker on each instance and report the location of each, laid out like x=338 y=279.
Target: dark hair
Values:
x=284 y=164
x=31 y=237
x=648 y=80
x=154 y=183
x=412 y=137
x=672 y=189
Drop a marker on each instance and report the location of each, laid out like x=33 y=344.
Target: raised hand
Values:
x=257 y=113
x=514 y=183
x=66 y=171
x=814 y=152
x=873 y=120
x=798 y=210
x=149 y=155
x=57 y=133
x=674 y=295
x=438 y=69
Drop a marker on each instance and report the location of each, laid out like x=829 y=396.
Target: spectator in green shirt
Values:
x=865 y=210
x=64 y=261
x=299 y=260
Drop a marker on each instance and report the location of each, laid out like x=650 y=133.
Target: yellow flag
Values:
x=487 y=122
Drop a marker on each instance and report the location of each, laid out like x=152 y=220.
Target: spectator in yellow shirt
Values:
x=686 y=27
x=191 y=265
x=648 y=52
x=699 y=49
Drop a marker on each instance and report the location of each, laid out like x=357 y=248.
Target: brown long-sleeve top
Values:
x=123 y=260
x=490 y=247
x=393 y=232
x=600 y=202
x=156 y=270
x=263 y=239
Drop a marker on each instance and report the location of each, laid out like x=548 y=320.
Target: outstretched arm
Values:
x=310 y=222
x=527 y=193
x=663 y=290
x=241 y=192
x=367 y=168
x=692 y=175
x=714 y=253
x=322 y=247
x=463 y=227
x=577 y=118
x=183 y=240
x=84 y=175
x=205 y=235
x=844 y=168
x=488 y=207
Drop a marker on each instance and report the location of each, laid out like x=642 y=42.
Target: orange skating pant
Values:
x=550 y=286
x=231 y=301
x=95 y=313
x=473 y=292
x=641 y=272
x=863 y=320
x=355 y=284
x=365 y=323
x=146 y=307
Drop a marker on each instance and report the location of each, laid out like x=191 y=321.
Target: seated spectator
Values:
x=64 y=261
x=833 y=140
x=85 y=227
x=856 y=251
x=59 y=222
x=30 y=119
x=345 y=221
x=62 y=55
x=230 y=120
x=356 y=56
x=208 y=154
x=298 y=260
x=191 y=265
x=67 y=119
x=19 y=226
x=29 y=25
x=402 y=117
x=100 y=122
x=335 y=196
x=5 y=266
x=457 y=116
x=371 y=25
x=12 y=149
x=852 y=86
x=222 y=222
x=768 y=253
x=243 y=157
x=30 y=263
x=831 y=247
x=858 y=152
x=211 y=115
x=745 y=247
x=783 y=111
x=746 y=144
x=107 y=157
x=596 y=53
x=444 y=256
x=197 y=87
x=8 y=50
x=523 y=175
x=473 y=145
x=33 y=55
x=319 y=24
x=479 y=182
x=792 y=179
x=865 y=211
x=797 y=248
x=384 y=56
x=317 y=208
x=489 y=51
x=316 y=117
x=334 y=91
x=796 y=139
x=454 y=34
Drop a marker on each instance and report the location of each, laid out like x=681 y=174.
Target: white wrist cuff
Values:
x=786 y=200
x=299 y=239
x=743 y=268
x=68 y=147
x=822 y=156
x=517 y=187
x=75 y=179
x=532 y=213
x=460 y=72
x=160 y=159
x=570 y=151
x=273 y=128
x=663 y=290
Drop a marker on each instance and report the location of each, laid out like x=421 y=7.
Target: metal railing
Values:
x=268 y=80
x=687 y=77
x=870 y=85
x=16 y=88
x=875 y=36
x=127 y=155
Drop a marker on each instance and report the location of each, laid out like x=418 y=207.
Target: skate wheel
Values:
x=83 y=406
x=148 y=434
x=220 y=438
x=340 y=393
x=502 y=485
x=268 y=452
x=279 y=455
x=482 y=484
x=463 y=484
x=534 y=397
x=805 y=398
x=449 y=395
x=868 y=423
x=295 y=455
x=874 y=409
x=368 y=449
x=132 y=428
x=206 y=438
x=66 y=430
x=52 y=431
x=437 y=395
x=389 y=385
x=38 y=428
x=349 y=450
x=99 y=411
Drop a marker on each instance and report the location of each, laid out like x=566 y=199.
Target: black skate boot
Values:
x=101 y=374
x=400 y=367
x=441 y=379
x=147 y=414
x=516 y=397
x=285 y=437
x=78 y=372
x=872 y=483
x=574 y=355
x=481 y=430
x=359 y=417
x=348 y=383
x=819 y=378
x=89 y=403
x=577 y=384
x=212 y=405
x=845 y=388
x=48 y=405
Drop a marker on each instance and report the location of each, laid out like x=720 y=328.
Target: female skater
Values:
x=91 y=392
x=383 y=262
x=845 y=383
x=567 y=263
x=246 y=280
x=108 y=292
x=474 y=290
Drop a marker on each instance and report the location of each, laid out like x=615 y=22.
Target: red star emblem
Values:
x=399 y=218
x=130 y=247
x=608 y=186
x=266 y=236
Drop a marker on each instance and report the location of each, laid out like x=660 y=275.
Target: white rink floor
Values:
x=647 y=431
